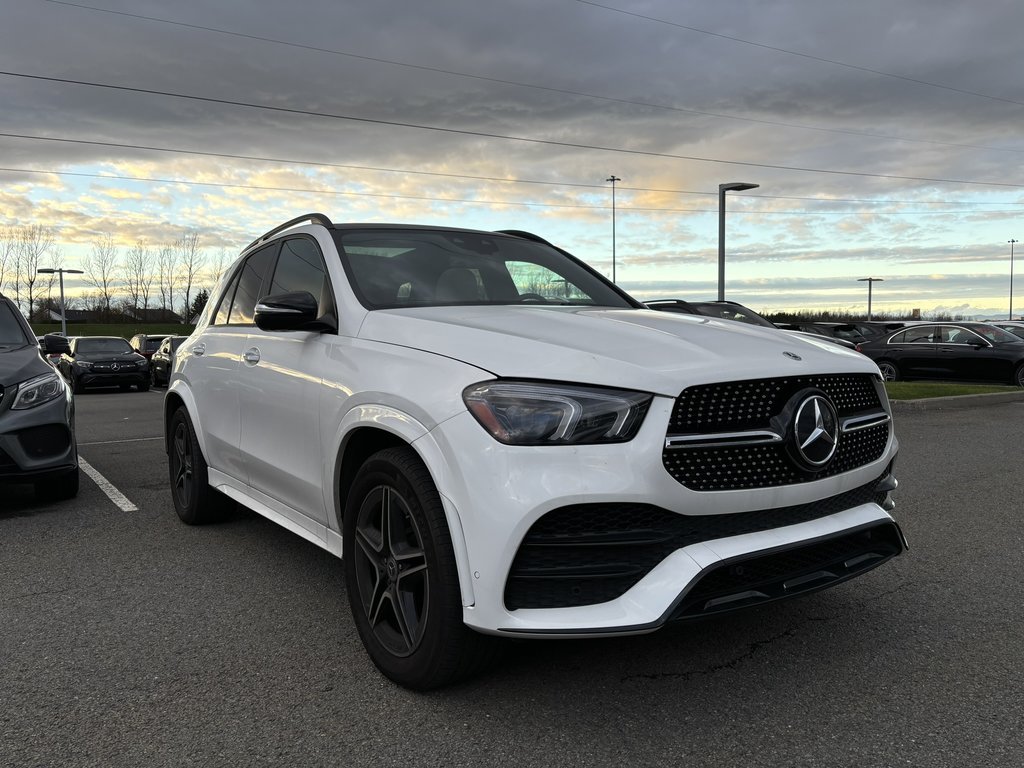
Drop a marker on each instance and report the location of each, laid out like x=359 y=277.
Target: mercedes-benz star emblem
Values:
x=816 y=431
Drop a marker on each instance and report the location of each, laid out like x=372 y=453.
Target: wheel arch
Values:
x=367 y=430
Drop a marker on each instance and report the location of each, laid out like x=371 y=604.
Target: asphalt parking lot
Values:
x=129 y=639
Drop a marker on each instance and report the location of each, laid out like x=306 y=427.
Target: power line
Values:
x=347 y=166
x=336 y=192
x=503 y=137
x=809 y=56
x=534 y=86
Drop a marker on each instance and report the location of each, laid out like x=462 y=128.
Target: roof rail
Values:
x=314 y=218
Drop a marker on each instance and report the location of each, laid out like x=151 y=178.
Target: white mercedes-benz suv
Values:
x=500 y=442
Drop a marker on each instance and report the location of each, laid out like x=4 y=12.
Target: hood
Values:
x=635 y=349
x=20 y=363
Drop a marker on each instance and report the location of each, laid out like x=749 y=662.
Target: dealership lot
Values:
x=130 y=639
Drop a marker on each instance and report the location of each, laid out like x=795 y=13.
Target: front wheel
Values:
x=59 y=488
x=1018 y=376
x=889 y=371
x=401 y=576
x=195 y=501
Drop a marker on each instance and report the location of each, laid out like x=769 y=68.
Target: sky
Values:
x=886 y=138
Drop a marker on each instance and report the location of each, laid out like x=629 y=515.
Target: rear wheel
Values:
x=194 y=500
x=1018 y=376
x=401 y=577
x=889 y=371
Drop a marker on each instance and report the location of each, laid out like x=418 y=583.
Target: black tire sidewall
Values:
x=425 y=667
x=188 y=510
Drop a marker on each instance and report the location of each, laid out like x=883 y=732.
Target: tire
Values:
x=152 y=378
x=194 y=500
x=1018 y=376
x=890 y=372
x=401 y=577
x=77 y=387
x=59 y=488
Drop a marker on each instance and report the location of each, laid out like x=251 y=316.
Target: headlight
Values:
x=83 y=363
x=41 y=389
x=528 y=413
x=142 y=363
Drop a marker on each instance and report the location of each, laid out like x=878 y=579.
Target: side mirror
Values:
x=53 y=344
x=295 y=311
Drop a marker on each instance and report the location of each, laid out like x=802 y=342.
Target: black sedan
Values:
x=949 y=351
x=104 y=361
x=162 y=362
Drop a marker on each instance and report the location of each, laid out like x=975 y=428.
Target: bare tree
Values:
x=56 y=261
x=101 y=267
x=34 y=240
x=167 y=276
x=137 y=275
x=191 y=259
x=8 y=250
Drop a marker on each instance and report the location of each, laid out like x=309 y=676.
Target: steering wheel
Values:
x=532 y=297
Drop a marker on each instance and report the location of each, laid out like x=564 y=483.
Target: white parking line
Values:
x=129 y=440
x=107 y=487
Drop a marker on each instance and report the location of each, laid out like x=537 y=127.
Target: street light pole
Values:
x=1011 y=242
x=870 y=281
x=613 y=178
x=735 y=186
x=60 y=271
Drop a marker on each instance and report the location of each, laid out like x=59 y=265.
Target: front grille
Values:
x=744 y=406
x=808 y=567
x=592 y=553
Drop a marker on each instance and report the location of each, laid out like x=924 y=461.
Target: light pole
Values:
x=613 y=178
x=60 y=271
x=735 y=186
x=870 y=281
x=1011 y=242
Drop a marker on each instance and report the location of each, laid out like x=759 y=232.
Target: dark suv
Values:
x=37 y=414
x=146 y=344
x=104 y=361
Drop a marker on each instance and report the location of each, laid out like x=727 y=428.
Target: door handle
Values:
x=251 y=356
x=198 y=350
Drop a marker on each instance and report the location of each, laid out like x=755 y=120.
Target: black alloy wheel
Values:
x=1018 y=375
x=194 y=500
x=402 y=579
x=889 y=371
x=391 y=571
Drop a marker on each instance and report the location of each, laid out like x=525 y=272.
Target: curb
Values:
x=956 y=401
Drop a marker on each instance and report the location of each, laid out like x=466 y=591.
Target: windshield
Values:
x=423 y=268
x=103 y=345
x=12 y=333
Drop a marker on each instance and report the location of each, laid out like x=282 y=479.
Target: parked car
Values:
x=104 y=361
x=844 y=331
x=730 y=310
x=37 y=412
x=146 y=344
x=950 y=351
x=162 y=361
x=1015 y=327
x=51 y=351
x=501 y=442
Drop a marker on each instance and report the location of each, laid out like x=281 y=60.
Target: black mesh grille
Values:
x=751 y=405
x=592 y=553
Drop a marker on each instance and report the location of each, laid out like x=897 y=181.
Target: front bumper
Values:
x=494 y=494
x=38 y=443
x=87 y=378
